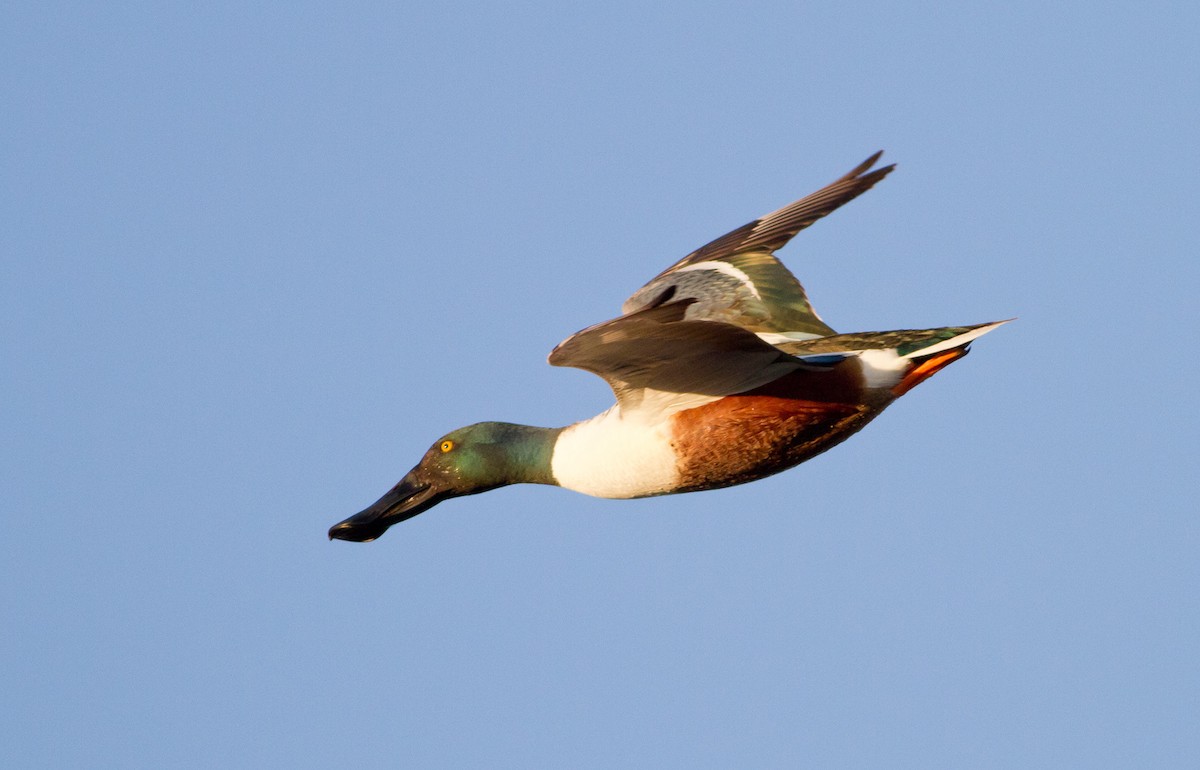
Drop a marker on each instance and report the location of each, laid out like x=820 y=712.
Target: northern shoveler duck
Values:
x=723 y=374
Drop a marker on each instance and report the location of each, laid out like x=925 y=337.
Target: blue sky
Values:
x=256 y=259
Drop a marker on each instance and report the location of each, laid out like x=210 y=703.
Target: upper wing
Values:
x=738 y=280
x=656 y=349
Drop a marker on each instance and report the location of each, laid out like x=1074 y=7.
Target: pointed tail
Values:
x=929 y=356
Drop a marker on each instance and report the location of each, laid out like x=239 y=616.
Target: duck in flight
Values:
x=723 y=373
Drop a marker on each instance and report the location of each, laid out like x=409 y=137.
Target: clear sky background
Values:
x=255 y=259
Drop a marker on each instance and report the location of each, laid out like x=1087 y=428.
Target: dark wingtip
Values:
x=865 y=178
x=862 y=167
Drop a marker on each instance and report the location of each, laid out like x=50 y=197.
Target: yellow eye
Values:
x=447 y=445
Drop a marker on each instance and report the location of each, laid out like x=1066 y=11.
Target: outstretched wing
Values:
x=738 y=280
x=656 y=349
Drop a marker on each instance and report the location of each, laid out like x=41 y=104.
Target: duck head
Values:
x=466 y=461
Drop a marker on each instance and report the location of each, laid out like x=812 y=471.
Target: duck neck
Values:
x=528 y=451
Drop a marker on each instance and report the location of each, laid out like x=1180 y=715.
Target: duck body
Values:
x=723 y=374
x=711 y=442
x=729 y=441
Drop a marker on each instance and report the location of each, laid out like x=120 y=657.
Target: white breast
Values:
x=609 y=456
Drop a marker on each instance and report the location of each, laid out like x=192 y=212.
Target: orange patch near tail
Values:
x=927 y=368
